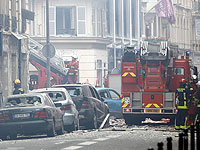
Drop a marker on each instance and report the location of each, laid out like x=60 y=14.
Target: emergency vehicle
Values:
x=58 y=74
x=149 y=78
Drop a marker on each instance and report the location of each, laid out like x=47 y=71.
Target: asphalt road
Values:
x=113 y=138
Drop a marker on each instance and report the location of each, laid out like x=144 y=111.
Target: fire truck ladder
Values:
x=56 y=63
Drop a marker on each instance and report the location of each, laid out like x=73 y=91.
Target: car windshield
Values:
x=56 y=95
x=74 y=91
x=23 y=101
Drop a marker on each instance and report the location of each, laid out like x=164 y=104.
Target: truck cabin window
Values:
x=179 y=71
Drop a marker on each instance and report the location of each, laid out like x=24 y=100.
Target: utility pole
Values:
x=47 y=43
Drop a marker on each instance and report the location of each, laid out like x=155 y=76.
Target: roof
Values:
x=62 y=85
x=61 y=89
x=25 y=95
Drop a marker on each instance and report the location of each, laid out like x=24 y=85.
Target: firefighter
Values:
x=73 y=70
x=17 y=87
x=197 y=102
x=181 y=105
x=194 y=82
x=192 y=87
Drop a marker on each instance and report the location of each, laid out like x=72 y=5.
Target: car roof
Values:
x=98 y=88
x=62 y=89
x=69 y=85
x=26 y=95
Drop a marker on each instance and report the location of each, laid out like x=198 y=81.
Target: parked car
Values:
x=91 y=107
x=63 y=100
x=112 y=98
x=27 y=114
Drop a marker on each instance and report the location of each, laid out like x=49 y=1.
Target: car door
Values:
x=113 y=101
x=56 y=111
x=100 y=106
x=73 y=106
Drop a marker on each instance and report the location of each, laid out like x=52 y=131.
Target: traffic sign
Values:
x=49 y=48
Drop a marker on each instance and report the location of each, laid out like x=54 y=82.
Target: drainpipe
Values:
x=19 y=57
x=19 y=16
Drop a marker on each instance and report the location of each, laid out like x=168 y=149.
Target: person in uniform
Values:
x=181 y=105
x=17 y=87
x=197 y=102
x=192 y=87
x=73 y=70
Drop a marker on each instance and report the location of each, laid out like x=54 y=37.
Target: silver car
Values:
x=62 y=99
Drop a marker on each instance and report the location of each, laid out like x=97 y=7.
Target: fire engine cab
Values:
x=149 y=78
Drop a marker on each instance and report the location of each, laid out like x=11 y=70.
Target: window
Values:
x=81 y=21
x=65 y=20
x=92 y=92
x=99 y=72
x=56 y=95
x=93 y=22
x=23 y=101
x=96 y=93
x=52 y=20
x=117 y=15
x=99 y=22
x=108 y=16
x=104 y=94
x=179 y=71
x=75 y=91
x=114 y=95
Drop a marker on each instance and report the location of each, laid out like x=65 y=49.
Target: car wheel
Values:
x=13 y=136
x=70 y=128
x=51 y=132
x=61 y=130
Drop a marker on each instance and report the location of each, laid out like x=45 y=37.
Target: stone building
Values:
x=97 y=30
x=85 y=28
x=13 y=44
x=184 y=32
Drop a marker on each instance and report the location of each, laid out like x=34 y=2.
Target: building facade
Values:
x=184 y=32
x=97 y=31
x=13 y=45
x=77 y=27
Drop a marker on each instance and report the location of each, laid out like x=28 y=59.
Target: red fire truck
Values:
x=149 y=78
x=58 y=74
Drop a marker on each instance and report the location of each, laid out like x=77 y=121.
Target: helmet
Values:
x=194 y=77
x=198 y=83
x=182 y=81
x=17 y=81
x=74 y=57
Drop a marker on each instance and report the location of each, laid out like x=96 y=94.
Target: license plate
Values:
x=152 y=110
x=21 y=115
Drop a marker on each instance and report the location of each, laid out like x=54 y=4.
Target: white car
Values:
x=62 y=99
